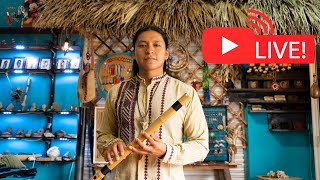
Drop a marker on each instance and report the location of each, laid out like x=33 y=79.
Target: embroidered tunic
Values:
x=132 y=106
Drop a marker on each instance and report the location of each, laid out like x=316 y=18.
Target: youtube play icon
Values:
x=228 y=45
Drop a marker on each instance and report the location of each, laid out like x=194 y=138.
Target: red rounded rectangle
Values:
x=241 y=46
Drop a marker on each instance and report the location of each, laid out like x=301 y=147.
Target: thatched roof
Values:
x=180 y=18
x=291 y=16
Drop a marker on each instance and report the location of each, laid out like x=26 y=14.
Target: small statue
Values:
x=66 y=156
x=60 y=134
x=10 y=107
x=20 y=133
x=8 y=132
x=39 y=133
x=47 y=133
x=29 y=133
x=44 y=107
x=55 y=107
x=74 y=108
x=33 y=107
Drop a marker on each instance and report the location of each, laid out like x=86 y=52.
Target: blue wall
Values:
x=39 y=92
x=287 y=151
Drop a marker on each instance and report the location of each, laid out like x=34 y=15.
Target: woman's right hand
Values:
x=114 y=151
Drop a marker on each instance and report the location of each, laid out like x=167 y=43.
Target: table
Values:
x=221 y=167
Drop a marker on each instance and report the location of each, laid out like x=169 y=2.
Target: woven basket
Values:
x=267 y=178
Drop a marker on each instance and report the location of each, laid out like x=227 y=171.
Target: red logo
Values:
x=242 y=46
x=228 y=45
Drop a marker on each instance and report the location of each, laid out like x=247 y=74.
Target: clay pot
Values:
x=314 y=89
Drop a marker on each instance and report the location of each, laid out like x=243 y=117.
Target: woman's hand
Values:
x=155 y=148
x=114 y=151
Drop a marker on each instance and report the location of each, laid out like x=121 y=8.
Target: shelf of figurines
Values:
x=287 y=130
x=54 y=109
x=276 y=109
x=33 y=47
x=268 y=90
x=277 y=71
x=38 y=112
x=260 y=101
x=44 y=134
x=21 y=47
x=38 y=158
x=66 y=138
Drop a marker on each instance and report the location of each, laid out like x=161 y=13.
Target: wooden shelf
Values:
x=279 y=111
x=26 y=48
x=44 y=138
x=33 y=71
x=209 y=165
x=278 y=102
x=62 y=161
x=262 y=90
x=39 y=112
x=287 y=130
x=301 y=73
x=39 y=71
x=66 y=71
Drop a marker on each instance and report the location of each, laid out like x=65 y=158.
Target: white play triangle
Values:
x=227 y=45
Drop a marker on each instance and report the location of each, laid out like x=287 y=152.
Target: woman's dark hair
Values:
x=164 y=35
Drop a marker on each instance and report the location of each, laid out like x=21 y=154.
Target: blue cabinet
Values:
x=46 y=86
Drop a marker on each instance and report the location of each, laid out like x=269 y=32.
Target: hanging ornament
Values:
x=275 y=86
x=314 y=89
x=18 y=95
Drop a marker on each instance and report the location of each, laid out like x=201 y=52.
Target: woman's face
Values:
x=150 y=52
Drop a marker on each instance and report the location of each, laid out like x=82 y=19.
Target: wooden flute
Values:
x=150 y=130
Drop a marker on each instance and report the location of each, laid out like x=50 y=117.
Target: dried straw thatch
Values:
x=290 y=16
x=182 y=19
x=229 y=14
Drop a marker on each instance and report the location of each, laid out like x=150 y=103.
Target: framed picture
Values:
x=18 y=63
x=32 y=62
x=75 y=63
x=98 y=116
x=45 y=63
x=5 y=63
x=62 y=63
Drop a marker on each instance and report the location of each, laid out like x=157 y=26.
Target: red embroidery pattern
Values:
x=127 y=98
x=149 y=116
x=172 y=150
x=160 y=129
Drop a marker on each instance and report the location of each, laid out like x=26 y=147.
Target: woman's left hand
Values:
x=155 y=148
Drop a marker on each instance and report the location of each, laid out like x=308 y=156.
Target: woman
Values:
x=134 y=104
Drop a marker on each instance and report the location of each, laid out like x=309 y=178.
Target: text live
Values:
x=241 y=46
